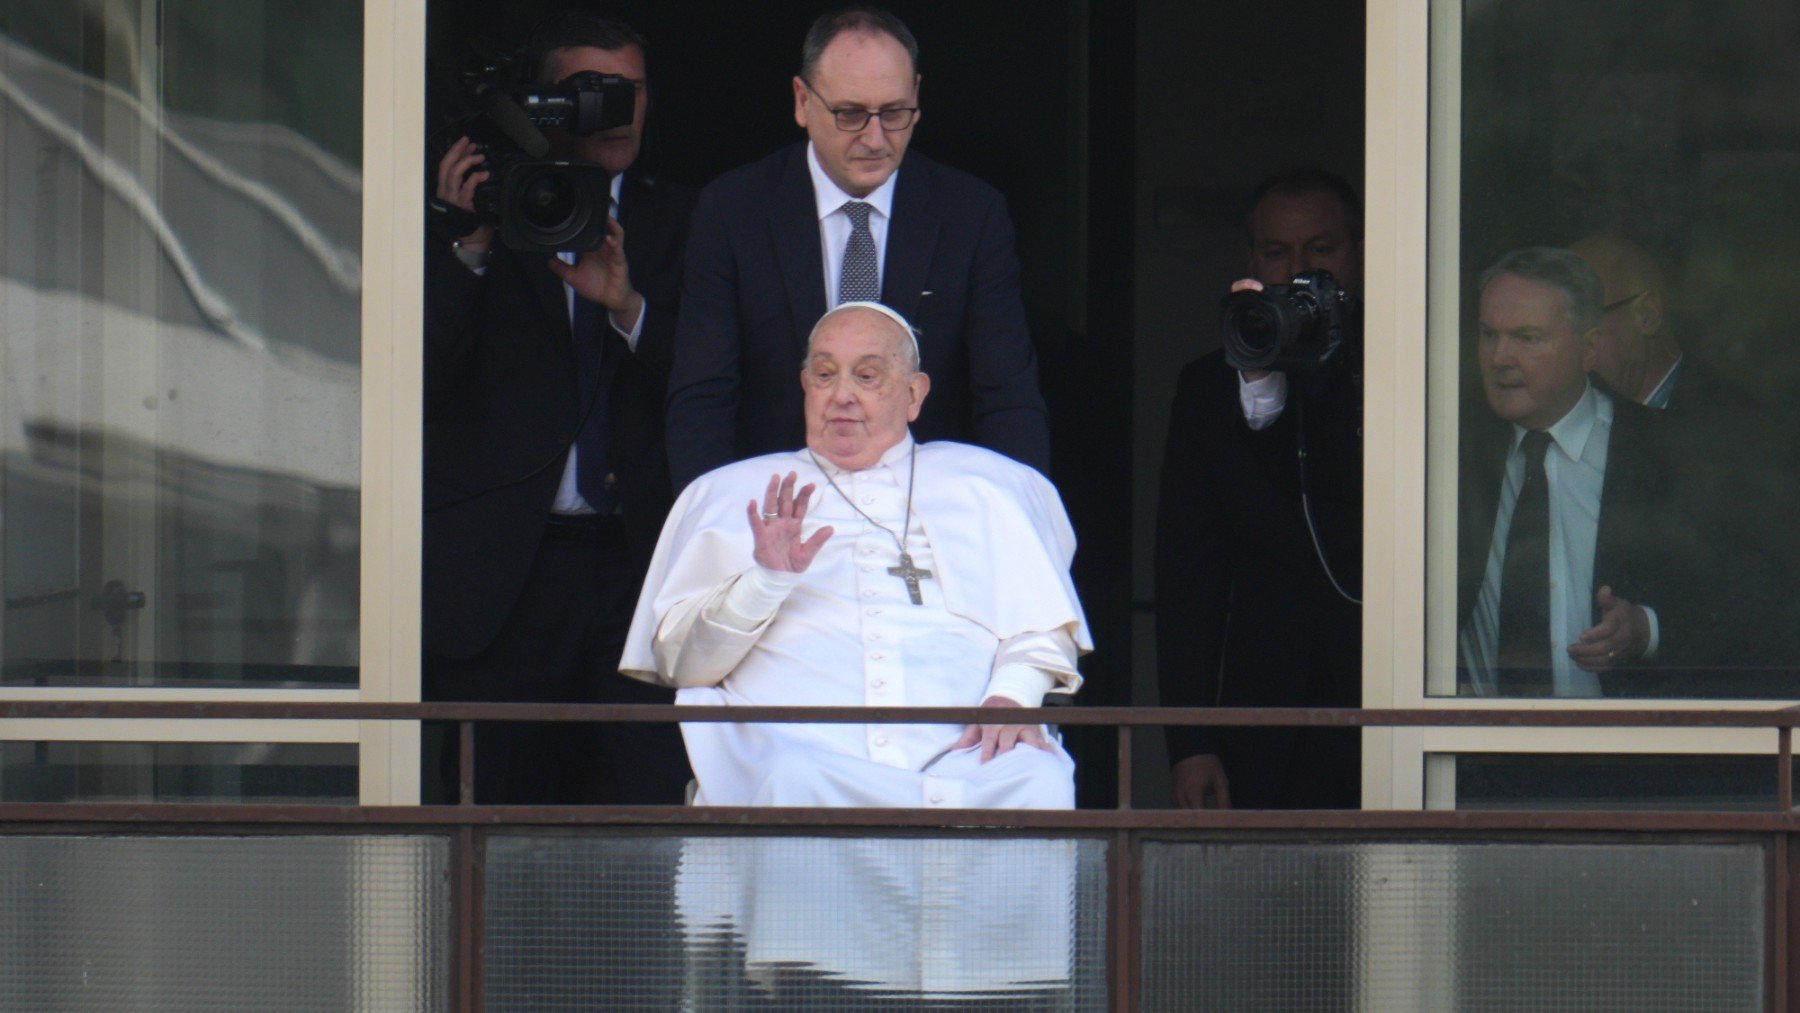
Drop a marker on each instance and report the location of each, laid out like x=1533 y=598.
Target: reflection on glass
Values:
x=1464 y=926
x=781 y=923
x=250 y=772
x=1528 y=781
x=179 y=352
x=938 y=919
x=278 y=922
x=1626 y=207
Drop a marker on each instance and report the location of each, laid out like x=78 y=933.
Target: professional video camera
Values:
x=1308 y=325
x=540 y=204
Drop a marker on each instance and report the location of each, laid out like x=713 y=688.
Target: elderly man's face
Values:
x=614 y=149
x=858 y=70
x=860 y=391
x=1291 y=234
x=1534 y=363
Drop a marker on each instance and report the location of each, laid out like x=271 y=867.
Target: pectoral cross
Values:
x=911 y=574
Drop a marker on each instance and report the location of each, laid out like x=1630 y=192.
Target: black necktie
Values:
x=592 y=469
x=859 y=280
x=1524 y=668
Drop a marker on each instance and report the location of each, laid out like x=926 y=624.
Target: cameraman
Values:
x=1247 y=612
x=546 y=481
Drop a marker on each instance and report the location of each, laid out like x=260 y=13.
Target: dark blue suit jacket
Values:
x=754 y=286
x=502 y=405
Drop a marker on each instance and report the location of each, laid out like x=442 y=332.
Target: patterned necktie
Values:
x=1524 y=636
x=592 y=468
x=860 y=281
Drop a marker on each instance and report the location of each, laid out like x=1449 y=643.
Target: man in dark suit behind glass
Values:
x=545 y=477
x=838 y=218
x=1578 y=574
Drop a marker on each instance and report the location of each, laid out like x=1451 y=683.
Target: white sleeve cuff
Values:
x=753 y=598
x=631 y=336
x=1022 y=684
x=1262 y=400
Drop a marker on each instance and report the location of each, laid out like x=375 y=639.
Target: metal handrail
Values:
x=1135 y=717
x=1125 y=828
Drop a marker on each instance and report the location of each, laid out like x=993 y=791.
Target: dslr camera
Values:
x=540 y=204
x=1308 y=325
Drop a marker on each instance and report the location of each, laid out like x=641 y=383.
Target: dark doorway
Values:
x=1125 y=137
x=1006 y=96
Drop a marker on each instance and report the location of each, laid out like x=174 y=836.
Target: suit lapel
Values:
x=1628 y=496
x=550 y=299
x=794 y=224
x=637 y=216
x=911 y=239
x=1487 y=445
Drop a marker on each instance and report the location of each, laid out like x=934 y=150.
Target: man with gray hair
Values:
x=873 y=572
x=1572 y=575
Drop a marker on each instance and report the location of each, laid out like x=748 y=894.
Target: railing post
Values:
x=1784 y=775
x=465 y=763
x=1124 y=786
x=1122 y=961
x=468 y=924
x=1782 y=983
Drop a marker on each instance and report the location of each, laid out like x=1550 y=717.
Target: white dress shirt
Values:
x=1262 y=400
x=1575 y=471
x=834 y=224
x=568 y=499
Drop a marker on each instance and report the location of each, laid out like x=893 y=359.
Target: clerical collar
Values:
x=829 y=197
x=1571 y=432
x=894 y=457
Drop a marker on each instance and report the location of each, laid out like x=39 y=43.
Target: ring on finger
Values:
x=767 y=516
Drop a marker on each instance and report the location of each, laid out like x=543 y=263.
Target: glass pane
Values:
x=794 y=922
x=1539 y=781
x=1616 y=180
x=1262 y=926
x=180 y=219
x=259 y=772
x=225 y=923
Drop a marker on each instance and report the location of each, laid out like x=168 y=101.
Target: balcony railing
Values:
x=1160 y=908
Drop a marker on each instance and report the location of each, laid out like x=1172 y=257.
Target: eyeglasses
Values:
x=1616 y=303
x=853 y=119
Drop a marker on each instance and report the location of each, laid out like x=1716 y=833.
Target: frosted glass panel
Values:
x=1573 y=927
x=794 y=922
x=224 y=923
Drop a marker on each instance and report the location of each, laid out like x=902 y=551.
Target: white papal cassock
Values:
x=999 y=617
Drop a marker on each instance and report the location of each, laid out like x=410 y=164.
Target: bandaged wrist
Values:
x=754 y=597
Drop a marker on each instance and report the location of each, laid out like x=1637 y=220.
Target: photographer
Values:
x=545 y=476
x=1259 y=531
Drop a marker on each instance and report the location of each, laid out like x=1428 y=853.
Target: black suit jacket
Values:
x=754 y=288
x=1650 y=548
x=1245 y=615
x=1739 y=481
x=502 y=407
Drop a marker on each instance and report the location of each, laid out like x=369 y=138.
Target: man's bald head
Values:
x=1635 y=349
